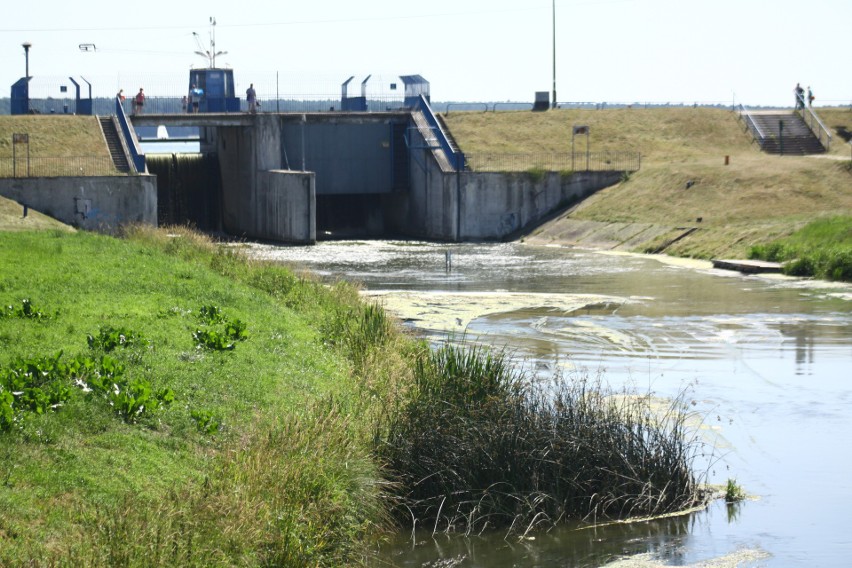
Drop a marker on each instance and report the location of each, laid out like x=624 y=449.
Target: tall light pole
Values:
x=27 y=45
x=554 y=54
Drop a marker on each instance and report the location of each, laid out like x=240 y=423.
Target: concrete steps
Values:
x=113 y=140
x=787 y=133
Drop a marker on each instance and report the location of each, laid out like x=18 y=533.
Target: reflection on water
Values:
x=767 y=361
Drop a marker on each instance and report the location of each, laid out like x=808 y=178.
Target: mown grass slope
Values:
x=53 y=136
x=756 y=198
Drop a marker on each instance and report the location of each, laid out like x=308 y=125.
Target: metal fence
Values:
x=556 y=162
x=22 y=167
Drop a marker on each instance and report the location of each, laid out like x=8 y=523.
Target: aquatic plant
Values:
x=733 y=491
x=480 y=444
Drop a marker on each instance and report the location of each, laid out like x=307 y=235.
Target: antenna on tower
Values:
x=209 y=54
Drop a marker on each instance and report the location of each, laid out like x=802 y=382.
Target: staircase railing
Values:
x=130 y=137
x=756 y=132
x=816 y=126
x=455 y=157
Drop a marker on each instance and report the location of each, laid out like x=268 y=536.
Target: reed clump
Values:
x=478 y=444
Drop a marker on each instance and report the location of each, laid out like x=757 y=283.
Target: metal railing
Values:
x=127 y=132
x=455 y=157
x=816 y=126
x=749 y=122
x=22 y=167
x=556 y=162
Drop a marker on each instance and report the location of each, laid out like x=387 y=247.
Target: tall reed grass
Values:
x=478 y=444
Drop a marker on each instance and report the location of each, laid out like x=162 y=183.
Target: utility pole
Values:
x=554 y=54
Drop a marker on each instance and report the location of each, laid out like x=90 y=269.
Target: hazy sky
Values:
x=469 y=50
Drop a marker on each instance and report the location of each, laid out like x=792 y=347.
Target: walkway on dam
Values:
x=193 y=119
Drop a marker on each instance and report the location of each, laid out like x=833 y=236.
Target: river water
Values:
x=767 y=362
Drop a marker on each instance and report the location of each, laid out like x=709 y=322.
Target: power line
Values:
x=267 y=24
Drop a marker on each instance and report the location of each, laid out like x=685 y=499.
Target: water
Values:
x=166 y=147
x=766 y=360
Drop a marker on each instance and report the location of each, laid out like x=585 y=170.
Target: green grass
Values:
x=822 y=249
x=88 y=484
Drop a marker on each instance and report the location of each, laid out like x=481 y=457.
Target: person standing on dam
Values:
x=251 y=99
x=138 y=102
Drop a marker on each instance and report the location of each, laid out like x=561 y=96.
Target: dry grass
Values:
x=755 y=198
x=12 y=219
x=54 y=136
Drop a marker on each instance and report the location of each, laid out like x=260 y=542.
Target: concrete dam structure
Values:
x=293 y=177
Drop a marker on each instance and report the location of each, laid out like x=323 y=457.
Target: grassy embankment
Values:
x=53 y=141
x=256 y=460
x=756 y=199
x=165 y=401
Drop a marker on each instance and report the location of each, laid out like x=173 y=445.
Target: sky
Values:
x=680 y=51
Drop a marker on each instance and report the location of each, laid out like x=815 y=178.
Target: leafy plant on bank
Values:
x=34 y=385
x=38 y=385
x=205 y=421
x=26 y=311
x=223 y=339
x=109 y=338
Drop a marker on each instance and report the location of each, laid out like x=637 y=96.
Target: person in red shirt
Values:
x=139 y=101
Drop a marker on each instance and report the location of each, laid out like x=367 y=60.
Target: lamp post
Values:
x=27 y=45
x=554 y=54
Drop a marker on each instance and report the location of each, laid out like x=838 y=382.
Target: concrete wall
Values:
x=286 y=206
x=429 y=209
x=496 y=205
x=91 y=203
x=458 y=206
x=259 y=199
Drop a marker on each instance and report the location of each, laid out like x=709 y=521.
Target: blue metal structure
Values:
x=415 y=87
x=21 y=96
x=83 y=106
x=354 y=104
x=456 y=158
x=218 y=88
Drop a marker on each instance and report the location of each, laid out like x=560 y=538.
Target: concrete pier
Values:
x=748 y=266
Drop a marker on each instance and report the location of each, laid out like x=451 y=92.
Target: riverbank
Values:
x=172 y=402
x=704 y=190
x=165 y=402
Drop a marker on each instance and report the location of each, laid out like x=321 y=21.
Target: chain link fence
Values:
x=22 y=167
x=555 y=162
